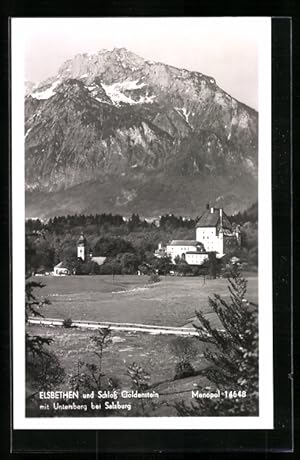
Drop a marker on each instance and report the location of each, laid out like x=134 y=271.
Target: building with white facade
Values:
x=161 y=251
x=214 y=233
x=81 y=247
x=61 y=270
x=84 y=254
x=180 y=248
x=195 y=258
x=214 y=230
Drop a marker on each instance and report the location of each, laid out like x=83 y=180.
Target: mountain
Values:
x=113 y=132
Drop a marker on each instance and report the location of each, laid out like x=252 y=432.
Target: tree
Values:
x=163 y=265
x=183 y=268
x=100 y=341
x=32 y=303
x=111 y=266
x=154 y=278
x=134 y=222
x=139 y=381
x=177 y=260
x=212 y=265
x=232 y=353
x=43 y=369
x=111 y=247
x=34 y=343
x=88 y=376
x=184 y=350
x=129 y=262
x=88 y=267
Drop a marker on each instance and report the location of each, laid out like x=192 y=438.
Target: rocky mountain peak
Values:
x=127 y=57
x=145 y=134
x=111 y=65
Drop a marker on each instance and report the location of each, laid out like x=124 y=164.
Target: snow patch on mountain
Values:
x=115 y=92
x=146 y=99
x=129 y=85
x=116 y=95
x=91 y=87
x=101 y=100
x=27 y=132
x=184 y=113
x=47 y=93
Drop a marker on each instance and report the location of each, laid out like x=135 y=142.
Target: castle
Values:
x=214 y=233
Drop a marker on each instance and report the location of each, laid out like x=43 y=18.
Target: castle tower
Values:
x=81 y=247
x=238 y=235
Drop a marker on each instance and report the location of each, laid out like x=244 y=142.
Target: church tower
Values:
x=81 y=247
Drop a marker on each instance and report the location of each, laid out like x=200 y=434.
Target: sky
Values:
x=224 y=48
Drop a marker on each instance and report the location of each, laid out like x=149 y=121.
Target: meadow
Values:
x=171 y=302
x=129 y=298
x=155 y=353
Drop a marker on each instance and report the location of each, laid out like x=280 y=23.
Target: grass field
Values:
x=129 y=298
x=171 y=302
x=154 y=353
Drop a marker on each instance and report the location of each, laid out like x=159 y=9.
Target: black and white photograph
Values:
x=141 y=190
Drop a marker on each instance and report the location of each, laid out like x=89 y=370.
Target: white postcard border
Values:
x=262 y=28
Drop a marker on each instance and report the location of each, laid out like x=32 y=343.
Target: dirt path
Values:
x=150 y=329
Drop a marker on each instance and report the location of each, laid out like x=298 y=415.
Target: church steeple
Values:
x=81 y=247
